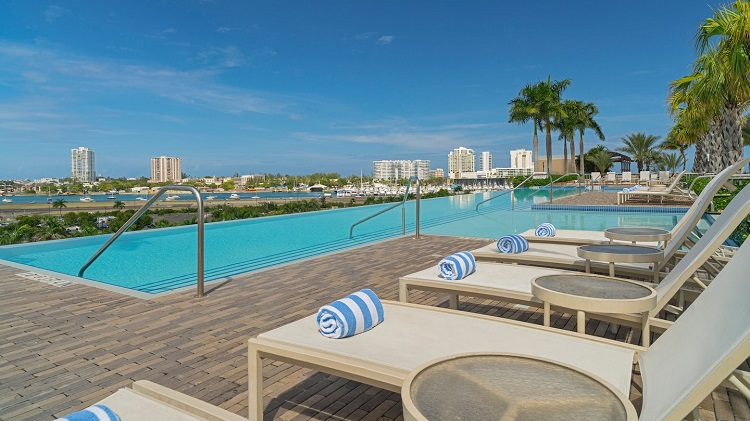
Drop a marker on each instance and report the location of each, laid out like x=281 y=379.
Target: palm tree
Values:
x=523 y=109
x=118 y=204
x=550 y=107
x=641 y=147
x=59 y=204
x=719 y=83
x=586 y=112
x=671 y=161
x=602 y=159
x=565 y=123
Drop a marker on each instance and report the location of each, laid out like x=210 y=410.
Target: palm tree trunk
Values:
x=548 y=144
x=714 y=147
x=565 y=156
x=580 y=151
x=731 y=135
x=573 y=153
x=535 y=154
x=699 y=162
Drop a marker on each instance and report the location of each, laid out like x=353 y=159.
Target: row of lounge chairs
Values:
x=644 y=177
x=696 y=353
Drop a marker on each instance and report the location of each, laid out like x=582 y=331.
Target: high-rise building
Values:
x=461 y=160
x=165 y=168
x=82 y=165
x=485 y=162
x=398 y=170
x=521 y=159
x=437 y=173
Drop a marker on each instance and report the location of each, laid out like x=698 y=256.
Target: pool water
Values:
x=156 y=261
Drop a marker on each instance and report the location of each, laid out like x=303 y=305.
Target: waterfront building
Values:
x=485 y=162
x=82 y=165
x=461 y=160
x=521 y=159
x=398 y=170
x=437 y=173
x=165 y=169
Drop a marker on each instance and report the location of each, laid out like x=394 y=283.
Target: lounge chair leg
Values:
x=255 y=383
x=588 y=266
x=403 y=292
x=645 y=330
x=612 y=269
x=581 y=321
x=453 y=301
x=656 y=273
x=546 y=313
x=695 y=415
x=613 y=327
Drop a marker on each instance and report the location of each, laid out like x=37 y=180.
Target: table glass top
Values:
x=593 y=287
x=493 y=387
x=635 y=231
x=620 y=249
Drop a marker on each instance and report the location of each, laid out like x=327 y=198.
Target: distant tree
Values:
x=670 y=161
x=118 y=204
x=525 y=108
x=642 y=148
x=602 y=159
x=59 y=204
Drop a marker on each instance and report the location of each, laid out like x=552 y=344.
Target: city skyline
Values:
x=319 y=87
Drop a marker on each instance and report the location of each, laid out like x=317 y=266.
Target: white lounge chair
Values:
x=512 y=283
x=565 y=256
x=673 y=191
x=699 y=206
x=611 y=177
x=596 y=177
x=148 y=401
x=644 y=177
x=691 y=359
x=625 y=177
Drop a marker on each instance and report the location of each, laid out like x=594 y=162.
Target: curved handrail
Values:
x=143 y=210
x=476 y=208
x=395 y=205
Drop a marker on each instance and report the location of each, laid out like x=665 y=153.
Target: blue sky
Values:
x=303 y=86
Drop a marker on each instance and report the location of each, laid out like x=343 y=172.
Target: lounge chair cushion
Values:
x=457 y=266
x=351 y=315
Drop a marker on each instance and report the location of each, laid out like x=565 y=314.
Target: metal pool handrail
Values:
x=476 y=208
x=143 y=210
x=395 y=205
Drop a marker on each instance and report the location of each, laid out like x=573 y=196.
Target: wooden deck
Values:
x=64 y=348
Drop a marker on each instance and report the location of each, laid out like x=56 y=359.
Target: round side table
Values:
x=594 y=293
x=488 y=387
x=638 y=234
x=621 y=253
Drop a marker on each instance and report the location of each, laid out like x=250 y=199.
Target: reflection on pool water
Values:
x=156 y=261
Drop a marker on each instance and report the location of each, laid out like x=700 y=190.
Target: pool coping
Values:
x=612 y=208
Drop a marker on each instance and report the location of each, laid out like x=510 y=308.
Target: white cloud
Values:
x=385 y=40
x=169 y=31
x=224 y=29
x=52 y=13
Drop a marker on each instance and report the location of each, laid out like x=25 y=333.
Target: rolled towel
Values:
x=92 y=413
x=626 y=189
x=545 y=230
x=353 y=314
x=512 y=244
x=457 y=266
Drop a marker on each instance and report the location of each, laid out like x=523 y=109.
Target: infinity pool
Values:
x=161 y=260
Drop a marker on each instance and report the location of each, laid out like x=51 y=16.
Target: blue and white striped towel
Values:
x=353 y=314
x=512 y=244
x=629 y=189
x=92 y=413
x=457 y=266
x=545 y=230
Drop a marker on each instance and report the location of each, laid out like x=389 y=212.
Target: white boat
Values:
x=86 y=199
x=211 y=198
x=171 y=198
x=112 y=197
x=143 y=199
x=234 y=196
x=255 y=197
x=6 y=200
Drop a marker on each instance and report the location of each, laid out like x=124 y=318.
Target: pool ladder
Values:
x=143 y=210
x=395 y=205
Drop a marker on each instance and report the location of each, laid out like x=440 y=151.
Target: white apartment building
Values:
x=165 y=169
x=82 y=165
x=461 y=160
x=437 y=173
x=521 y=159
x=398 y=170
x=485 y=162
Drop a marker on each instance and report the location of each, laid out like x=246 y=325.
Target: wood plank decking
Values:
x=64 y=348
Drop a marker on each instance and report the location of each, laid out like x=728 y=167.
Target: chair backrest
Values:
x=664 y=175
x=702 y=348
x=725 y=224
x=645 y=175
x=707 y=195
x=611 y=176
x=675 y=182
x=596 y=176
x=625 y=177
